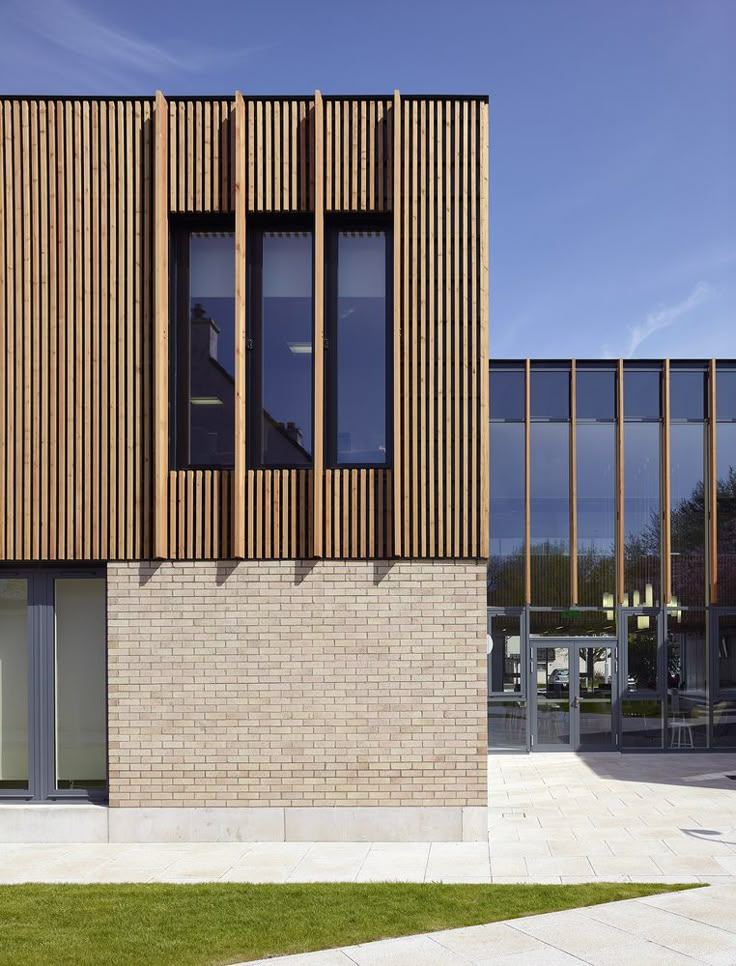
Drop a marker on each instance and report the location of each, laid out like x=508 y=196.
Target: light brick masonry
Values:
x=297 y=684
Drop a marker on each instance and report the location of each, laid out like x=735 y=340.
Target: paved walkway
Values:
x=679 y=929
x=554 y=818
x=651 y=817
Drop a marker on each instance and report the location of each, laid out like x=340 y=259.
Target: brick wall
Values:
x=285 y=683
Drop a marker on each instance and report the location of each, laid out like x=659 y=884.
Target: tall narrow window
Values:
x=687 y=486
x=204 y=376
x=13 y=684
x=281 y=343
x=726 y=484
x=358 y=316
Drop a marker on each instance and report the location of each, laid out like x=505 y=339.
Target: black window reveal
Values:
x=358 y=352
x=281 y=326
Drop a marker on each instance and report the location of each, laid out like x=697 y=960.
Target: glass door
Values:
x=593 y=701
x=574 y=695
x=552 y=722
x=724 y=679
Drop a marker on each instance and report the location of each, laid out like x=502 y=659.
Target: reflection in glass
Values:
x=506 y=563
x=572 y=623
x=725 y=393
x=80 y=658
x=211 y=348
x=507 y=725
x=641 y=514
x=726 y=676
x=13 y=684
x=687 y=702
x=550 y=394
x=687 y=394
x=507 y=393
x=641 y=723
x=550 y=513
x=642 y=395
x=553 y=695
x=361 y=347
x=596 y=488
x=504 y=653
x=726 y=501
x=595 y=394
x=641 y=653
x=286 y=349
x=595 y=672
x=687 y=513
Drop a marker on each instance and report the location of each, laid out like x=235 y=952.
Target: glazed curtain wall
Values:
x=612 y=483
x=87 y=191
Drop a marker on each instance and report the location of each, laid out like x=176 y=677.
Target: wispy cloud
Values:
x=66 y=32
x=665 y=316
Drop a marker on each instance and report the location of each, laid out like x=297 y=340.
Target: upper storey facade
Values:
x=243 y=328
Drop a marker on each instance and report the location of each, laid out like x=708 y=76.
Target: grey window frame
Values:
x=42 y=689
x=521 y=613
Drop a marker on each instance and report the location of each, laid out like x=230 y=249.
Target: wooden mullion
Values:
x=319 y=334
x=398 y=243
x=713 y=480
x=666 y=488
x=573 y=488
x=620 y=480
x=238 y=488
x=527 y=485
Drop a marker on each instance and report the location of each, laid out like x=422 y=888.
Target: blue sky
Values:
x=613 y=133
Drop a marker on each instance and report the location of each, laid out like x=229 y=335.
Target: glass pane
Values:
x=687 y=699
x=212 y=348
x=286 y=350
x=13 y=684
x=641 y=514
x=595 y=671
x=687 y=515
x=725 y=393
x=361 y=347
x=726 y=518
x=507 y=725
x=642 y=396
x=596 y=479
x=572 y=623
x=550 y=513
x=507 y=393
x=687 y=394
x=506 y=561
x=550 y=394
x=641 y=653
x=553 y=695
x=595 y=394
x=724 y=724
x=641 y=723
x=504 y=654
x=81 y=691
x=726 y=677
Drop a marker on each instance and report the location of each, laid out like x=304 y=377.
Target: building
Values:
x=612 y=566
x=243 y=467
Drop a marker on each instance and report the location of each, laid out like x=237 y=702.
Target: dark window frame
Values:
x=181 y=227
x=257 y=227
x=334 y=225
x=41 y=683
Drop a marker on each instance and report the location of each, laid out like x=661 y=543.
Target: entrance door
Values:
x=573 y=695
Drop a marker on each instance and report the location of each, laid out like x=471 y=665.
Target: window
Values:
x=596 y=497
x=358 y=347
x=506 y=523
x=203 y=379
x=550 y=513
x=507 y=393
x=595 y=394
x=642 y=394
x=504 y=654
x=281 y=329
x=550 y=394
x=687 y=394
x=642 y=507
x=53 y=725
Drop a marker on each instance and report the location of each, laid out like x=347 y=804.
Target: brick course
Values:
x=297 y=683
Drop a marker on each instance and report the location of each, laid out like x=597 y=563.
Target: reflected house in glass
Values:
x=622 y=477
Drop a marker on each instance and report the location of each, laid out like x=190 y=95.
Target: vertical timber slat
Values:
x=161 y=327
x=239 y=165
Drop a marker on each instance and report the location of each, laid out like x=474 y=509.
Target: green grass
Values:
x=204 y=925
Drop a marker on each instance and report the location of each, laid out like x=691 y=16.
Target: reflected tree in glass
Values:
x=506 y=560
x=550 y=513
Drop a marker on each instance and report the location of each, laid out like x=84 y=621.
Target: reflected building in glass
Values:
x=612 y=570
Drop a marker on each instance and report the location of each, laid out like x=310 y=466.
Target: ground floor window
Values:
x=53 y=704
x=626 y=678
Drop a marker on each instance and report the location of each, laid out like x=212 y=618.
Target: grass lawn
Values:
x=204 y=925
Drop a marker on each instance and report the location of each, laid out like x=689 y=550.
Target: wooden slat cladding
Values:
x=443 y=328
x=85 y=202
x=357 y=513
x=279 y=140
x=75 y=341
x=358 y=154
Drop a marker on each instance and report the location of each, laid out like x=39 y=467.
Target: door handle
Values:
x=574 y=703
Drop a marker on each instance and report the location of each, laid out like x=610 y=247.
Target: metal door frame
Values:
x=573 y=645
